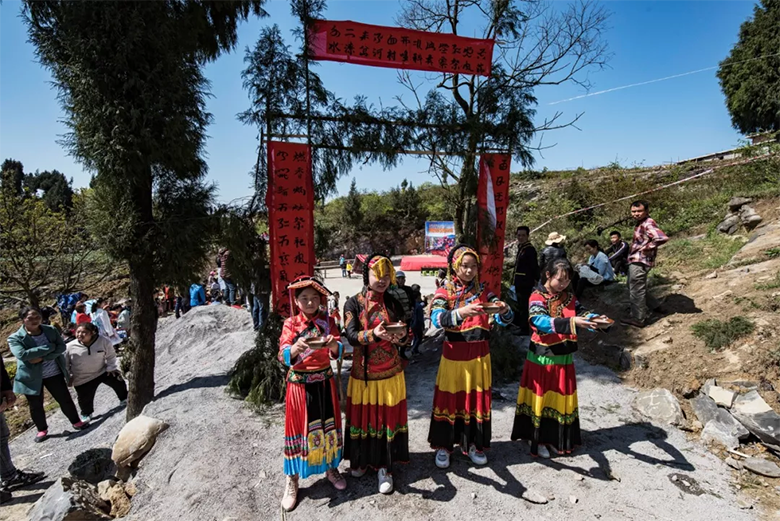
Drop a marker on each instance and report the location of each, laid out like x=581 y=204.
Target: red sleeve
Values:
x=286 y=338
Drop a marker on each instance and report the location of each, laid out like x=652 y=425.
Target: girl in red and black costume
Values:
x=313 y=440
x=462 y=400
x=376 y=420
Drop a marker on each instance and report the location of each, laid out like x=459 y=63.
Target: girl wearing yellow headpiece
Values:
x=376 y=426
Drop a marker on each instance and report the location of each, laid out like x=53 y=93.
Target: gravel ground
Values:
x=221 y=461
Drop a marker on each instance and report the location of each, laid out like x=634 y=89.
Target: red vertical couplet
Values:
x=492 y=204
x=399 y=48
x=290 y=202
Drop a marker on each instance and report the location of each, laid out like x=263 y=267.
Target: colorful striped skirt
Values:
x=376 y=423
x=547 y=403
x=462 y=400
x=313 y=441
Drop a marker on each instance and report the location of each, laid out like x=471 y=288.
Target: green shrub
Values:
x=505 y=356
x=11 y=369
x=717 y=334
x=258 y=377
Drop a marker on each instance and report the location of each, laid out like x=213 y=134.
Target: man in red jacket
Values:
x=641 y=259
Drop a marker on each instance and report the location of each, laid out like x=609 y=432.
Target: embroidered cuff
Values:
x=287 y=352
x=456 y=318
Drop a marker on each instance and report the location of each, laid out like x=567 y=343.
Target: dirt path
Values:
x=220 y=461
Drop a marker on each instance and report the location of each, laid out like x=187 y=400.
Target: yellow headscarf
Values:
x=383 y=267
x=457 y=259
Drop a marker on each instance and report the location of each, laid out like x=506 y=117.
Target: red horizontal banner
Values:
x=399 y=48
x=290 y=202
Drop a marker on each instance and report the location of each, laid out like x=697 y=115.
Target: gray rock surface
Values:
x=758 y=417
x=749 y=218
x=762 y=467
x=220 y=460
x=716 y=432
x=707 y=411
x=70 y=500
x=722 y=397
x=730 y=224
x=659 y=405
x=735 y=203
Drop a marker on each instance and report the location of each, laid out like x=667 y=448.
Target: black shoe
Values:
x=5 y=497
x=22 y=479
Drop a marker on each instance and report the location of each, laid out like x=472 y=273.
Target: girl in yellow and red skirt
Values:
x=462 y=399
x=313 y=440
x=547 y=413
x=376 y=421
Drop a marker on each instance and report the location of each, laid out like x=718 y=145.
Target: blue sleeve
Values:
x=505 y=320
x=202 y=295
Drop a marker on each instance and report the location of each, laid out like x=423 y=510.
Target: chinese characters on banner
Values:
x=290 y=202
x=492 y=204
x=399 y=48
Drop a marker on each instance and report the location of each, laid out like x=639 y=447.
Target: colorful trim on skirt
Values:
x=376 y=423
x=462 y=400
x=313 y=441
x=547 y=410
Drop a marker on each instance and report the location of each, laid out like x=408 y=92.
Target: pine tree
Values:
x=750 y=75
x=131 y=83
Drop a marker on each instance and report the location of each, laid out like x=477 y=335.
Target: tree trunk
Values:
x=143 y=323
x=142 y=331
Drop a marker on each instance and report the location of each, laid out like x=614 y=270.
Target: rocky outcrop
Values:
x=739 y=214
x=70 y=499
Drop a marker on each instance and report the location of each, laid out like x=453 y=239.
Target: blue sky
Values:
x=650 y=124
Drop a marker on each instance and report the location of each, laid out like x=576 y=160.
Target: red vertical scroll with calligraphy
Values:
x=290 y=202
x=492 y=204
x=399 y=48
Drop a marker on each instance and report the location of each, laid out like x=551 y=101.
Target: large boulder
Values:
x=758 y=417
x=70 y=500
x=136 y=439
x=659 y=405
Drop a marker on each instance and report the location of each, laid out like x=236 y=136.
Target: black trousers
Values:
x=58 y=389
x=86 y=392
x=523 y=295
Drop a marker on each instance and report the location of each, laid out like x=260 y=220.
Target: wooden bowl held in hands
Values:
x=396 y=328
x=491 y=308
x=602 y=322
x=316 y=342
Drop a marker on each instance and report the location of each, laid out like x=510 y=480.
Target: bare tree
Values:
x=538 y=43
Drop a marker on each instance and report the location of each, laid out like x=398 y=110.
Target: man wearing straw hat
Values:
x=554 y=250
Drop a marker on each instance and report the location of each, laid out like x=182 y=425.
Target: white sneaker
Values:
x=385 y=481
x=86 y=418
x=290 y=498
x=477 y=457
x=442 y=459
x=358 y=473
x=544 y=452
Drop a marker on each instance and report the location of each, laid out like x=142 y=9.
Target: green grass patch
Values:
x=717 y=334
x=710 y=252
x=772 y=253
